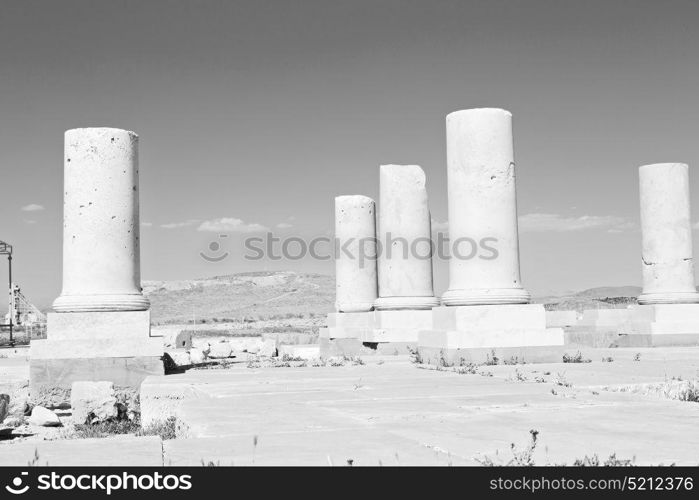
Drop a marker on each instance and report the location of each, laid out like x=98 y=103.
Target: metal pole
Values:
x=11 y=311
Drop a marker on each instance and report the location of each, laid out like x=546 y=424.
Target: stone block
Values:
x=600 y=318
x=98 y=325
x=397 y=326
x=175 y=338
x=62 y=372
x=351 y=320
x=305 y=351
x=561 y=318
x=666 y=324
x=220 y=350
x=473 y=333
x=93 y=401
x=480 y=318
x=44 y=418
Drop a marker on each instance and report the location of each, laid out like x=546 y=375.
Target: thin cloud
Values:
x=231 y=225
x=30 y=221
x=146 y=224
x=541 y=222
x=32 y=207
x=175 y=225
x=284 y=225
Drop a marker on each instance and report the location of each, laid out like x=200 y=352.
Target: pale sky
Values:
x=258 y=113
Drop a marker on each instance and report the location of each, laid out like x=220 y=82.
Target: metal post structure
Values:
x=6 y=249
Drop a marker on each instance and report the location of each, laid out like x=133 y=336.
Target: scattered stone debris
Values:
x=93 y=402
x=44 y=417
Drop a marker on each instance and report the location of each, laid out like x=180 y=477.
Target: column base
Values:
x=561 y=319
x=691 y=297
x=602 y=328
x=373 y=332
x=101 y=303
x=664 y=324
x=490 y=334
x=94 y=346
x=401 y=303
x=486 y=296
x=356 y=307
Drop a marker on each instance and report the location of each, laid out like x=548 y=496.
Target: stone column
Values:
x=405 y=260
x=668 y=266
x=101 y=261
x=484 y=263
x=355 y=259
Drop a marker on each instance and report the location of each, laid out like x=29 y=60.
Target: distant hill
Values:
x=593 y=298
x=244 y=296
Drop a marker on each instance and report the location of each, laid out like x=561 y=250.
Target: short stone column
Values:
x=100 y=330
x=668 y=265
x=101 y=259
x=404 y=235
x=484 y=262
x=355 y=248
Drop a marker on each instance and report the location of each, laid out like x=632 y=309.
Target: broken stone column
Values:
x=355 y=260
x=487 y=318
x=484 y=262
x=101 y=259
x=668 y=265
x=101 y=328
x=405 y=260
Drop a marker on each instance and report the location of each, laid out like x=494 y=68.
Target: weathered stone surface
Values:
x=482 y=209
x=355 y=269
x=4 y=406
x=197 y=356
x=177 y=358
x=561 y=318
x=123 y=372
x=93 y=402
x=268 y=348
x=175 y=338
x=43 y=417
x=117 y=451
x=405 y=264
x=300 y=351
x=666 y=229
x=101 y=256
x=220 y=350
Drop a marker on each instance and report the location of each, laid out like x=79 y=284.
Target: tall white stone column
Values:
x=668 y=265
x=355 y=260
x=484 y=262
x=101 y=260
x=405 y=260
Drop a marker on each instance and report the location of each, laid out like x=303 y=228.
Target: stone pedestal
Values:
x=373 y=332
x=115 y=346
x=405 y=260
x=101 y=328
x=562 y=319
x=667 y=261
x=602 y=328
x=484 y=262
x=487 y=316
x=491 y=334
x=663 y=324
x=355 y=259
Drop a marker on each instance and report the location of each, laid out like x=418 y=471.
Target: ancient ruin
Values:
x=100 y=329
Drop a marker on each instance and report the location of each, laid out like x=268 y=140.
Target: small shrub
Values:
x=577 y=358
x=491 y=359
